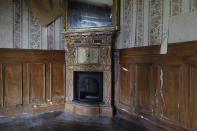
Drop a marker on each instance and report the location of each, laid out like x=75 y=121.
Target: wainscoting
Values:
x=31 y=80
x=159 y=91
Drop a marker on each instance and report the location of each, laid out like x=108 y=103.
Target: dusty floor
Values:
x=60 y=121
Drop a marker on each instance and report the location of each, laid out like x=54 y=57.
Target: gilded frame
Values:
x=115 y=26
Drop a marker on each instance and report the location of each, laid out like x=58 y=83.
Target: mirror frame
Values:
x=115 y=26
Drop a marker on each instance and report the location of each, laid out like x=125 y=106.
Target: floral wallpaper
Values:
x=140 y=23
x=17 y=8
x=50 y=36
x=175 y=7
x=193 y=5
x=127 y=25
x=34 y=32
x=28 y=33
x=155 y=24
x=143 y=20
x=143 y=23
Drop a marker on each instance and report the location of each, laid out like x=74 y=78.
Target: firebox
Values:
x=88 y=87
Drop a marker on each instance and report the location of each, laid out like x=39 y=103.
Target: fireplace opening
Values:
x=88 y=87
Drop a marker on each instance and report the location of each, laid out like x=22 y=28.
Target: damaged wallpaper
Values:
x=24 y=31
x=143 y=22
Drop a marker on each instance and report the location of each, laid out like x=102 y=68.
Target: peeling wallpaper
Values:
x=146 y=22
x=143 y=23
x=19 y=28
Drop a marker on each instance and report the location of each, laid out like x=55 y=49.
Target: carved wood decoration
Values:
x=87 y=55
x=102 y=41
x=159 y=89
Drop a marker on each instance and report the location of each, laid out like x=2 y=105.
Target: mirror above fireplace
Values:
x=88 y=15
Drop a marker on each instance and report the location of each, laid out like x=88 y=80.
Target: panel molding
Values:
x=29 y=83
x=23 y=66
x=137 y=98
x=3 y=84
x=193 y=98
x=125 y=70
x=44 y=71
x=171 y=88
x=51 y=82
x=164 y=69
x=12 y=79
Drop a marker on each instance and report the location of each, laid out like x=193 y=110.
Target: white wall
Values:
x=20 y=29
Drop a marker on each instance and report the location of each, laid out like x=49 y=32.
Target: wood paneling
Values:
x=58 y=82
x=125 y=84
x=12 y=87
x=193 y=100
x=165 y=86
x=36 y=74
x=1 y=85
x=143 y=88
x=25 y=84
x=170 y=92
x=31 y=80
x=31 y=56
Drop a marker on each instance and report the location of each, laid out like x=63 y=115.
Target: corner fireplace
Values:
x=88 y=87
x=89 y=73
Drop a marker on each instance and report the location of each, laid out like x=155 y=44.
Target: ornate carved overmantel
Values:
x=102 y=41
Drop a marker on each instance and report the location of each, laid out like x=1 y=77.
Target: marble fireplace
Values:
x=88 y=73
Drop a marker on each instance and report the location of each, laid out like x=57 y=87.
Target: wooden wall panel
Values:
x=132 y=81
x=58 y=82
x=31 y=56
x=170 y=92
x=37 y=83
x=1 y=86
x=193 y=93
x=143 y=88
x=12 y=74
x=25 y=84
x=125 y=84
x=48 y=82
x=31 y=80
x=165 y=86
x=185 y=96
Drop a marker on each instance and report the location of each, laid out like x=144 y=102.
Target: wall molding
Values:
x=159 y=88
x=28 y=80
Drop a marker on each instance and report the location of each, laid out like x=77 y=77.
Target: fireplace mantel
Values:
x=89 y=52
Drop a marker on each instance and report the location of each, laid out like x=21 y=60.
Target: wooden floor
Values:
x=60 y=121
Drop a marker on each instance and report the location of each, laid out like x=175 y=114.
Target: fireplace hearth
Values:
x=88 y=87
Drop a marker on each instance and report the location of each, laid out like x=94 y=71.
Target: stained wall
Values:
x=19 y=28
x=149 y=22
x=143 y=23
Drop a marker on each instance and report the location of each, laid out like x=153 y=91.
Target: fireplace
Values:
x=88 y=73
x=88 y=87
